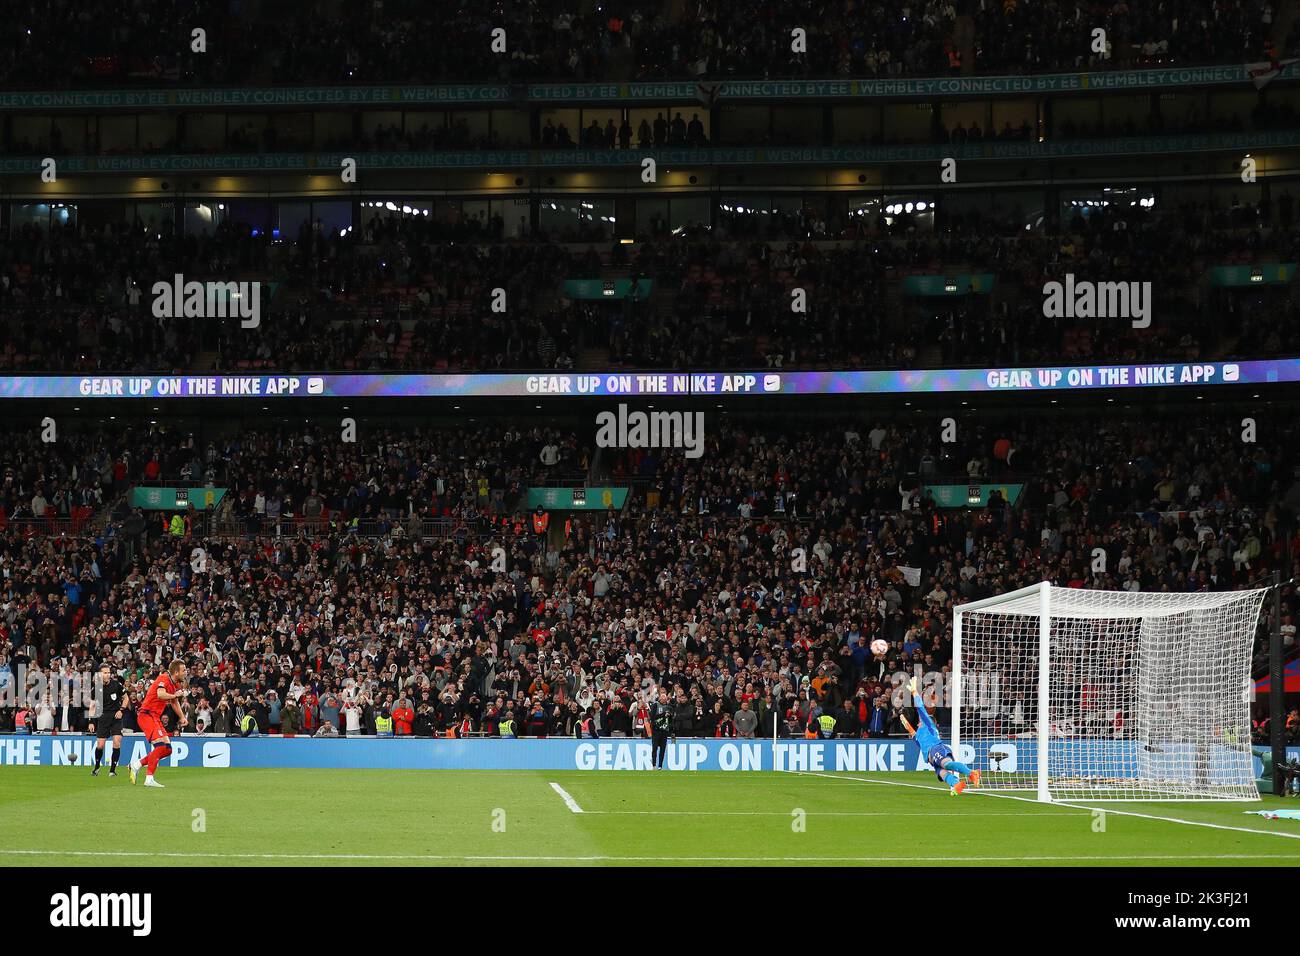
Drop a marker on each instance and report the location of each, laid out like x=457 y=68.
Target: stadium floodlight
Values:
x=1107 y=695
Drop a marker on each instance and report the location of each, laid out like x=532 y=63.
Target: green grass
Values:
x=60 y=816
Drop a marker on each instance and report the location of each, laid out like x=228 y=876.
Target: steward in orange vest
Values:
x=541 y=521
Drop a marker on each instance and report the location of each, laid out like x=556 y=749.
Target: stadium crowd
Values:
x=415 y=293
x=304 y=473
x=61 y=43
x=696 y=586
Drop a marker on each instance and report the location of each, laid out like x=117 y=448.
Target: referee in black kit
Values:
x=110 y=707
x=661 y=724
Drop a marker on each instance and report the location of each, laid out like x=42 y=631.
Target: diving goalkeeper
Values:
x=937 y=753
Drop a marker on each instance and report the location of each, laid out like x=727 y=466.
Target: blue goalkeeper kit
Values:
x=931 y=744
x=936 y=751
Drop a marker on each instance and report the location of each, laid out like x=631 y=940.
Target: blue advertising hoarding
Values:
x=643 y=384
x=563 y=753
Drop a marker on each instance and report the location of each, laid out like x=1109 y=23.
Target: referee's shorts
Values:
x=108 y=728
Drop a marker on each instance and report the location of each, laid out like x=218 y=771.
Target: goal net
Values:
x=1107 y=695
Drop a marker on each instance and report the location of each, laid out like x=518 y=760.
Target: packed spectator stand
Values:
x=409 y=293
x=692 y=585
x=63 y=43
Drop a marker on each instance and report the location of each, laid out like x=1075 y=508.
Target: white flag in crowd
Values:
x=707 y=93
x=1262 y=73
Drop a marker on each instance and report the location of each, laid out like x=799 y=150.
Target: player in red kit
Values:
x=166 y=690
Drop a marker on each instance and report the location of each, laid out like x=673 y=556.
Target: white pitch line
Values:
x=1072 y=806
x=1190 y=823
x=568 y=800
x=435 y=858
x=785 y=813
x=884 y=783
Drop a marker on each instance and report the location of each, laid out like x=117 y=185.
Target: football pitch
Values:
x=61 y=816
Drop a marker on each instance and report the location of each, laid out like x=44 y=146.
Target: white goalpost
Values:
x=1107 y=695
